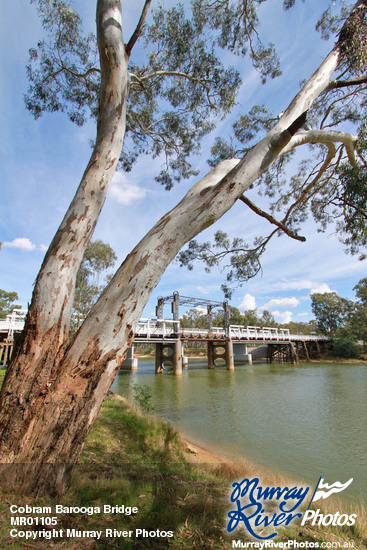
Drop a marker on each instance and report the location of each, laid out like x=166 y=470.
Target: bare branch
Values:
x=334 y=84
x=325 y=137
x=78 y=75
x=155 y=74
x=139 y=28
x=271 y=219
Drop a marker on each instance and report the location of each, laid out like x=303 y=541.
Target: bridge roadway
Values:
x=228 y=344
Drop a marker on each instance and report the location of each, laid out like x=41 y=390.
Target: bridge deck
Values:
x=153 y=330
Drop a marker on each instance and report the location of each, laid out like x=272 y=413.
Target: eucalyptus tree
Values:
x=358 y=321
x=91 y=279
x=7 y=302
x=166 y=101
x=331 y=311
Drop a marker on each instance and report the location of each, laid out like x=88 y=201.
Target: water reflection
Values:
x=306 y=420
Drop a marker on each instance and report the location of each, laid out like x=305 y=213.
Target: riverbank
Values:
x=135 y=460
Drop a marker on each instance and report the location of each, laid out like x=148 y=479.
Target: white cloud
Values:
x=203 y=289
x=281 y=302
x=303 y=284
x=201 y=309
x=303 y=314
x=322 y=288
x=248 y=302
x=125 y=192
x=294 y=285
x=22 y=243
x=282 y=316
x=43 y=247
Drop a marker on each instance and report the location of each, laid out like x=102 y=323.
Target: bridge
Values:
x=229 y=343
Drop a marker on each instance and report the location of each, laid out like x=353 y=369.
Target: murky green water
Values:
x=305 y=420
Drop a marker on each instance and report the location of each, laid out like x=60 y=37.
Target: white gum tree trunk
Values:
x=47 y=326
x=52 y=395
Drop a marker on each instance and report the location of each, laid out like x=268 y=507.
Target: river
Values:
x=304 y=420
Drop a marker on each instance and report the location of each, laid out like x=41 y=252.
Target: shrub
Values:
x=346 y=348
x=143 y=397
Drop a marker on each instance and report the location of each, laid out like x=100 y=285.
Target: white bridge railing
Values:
x=168 y=328
x=13 y=322
x=162 y=328
x=239 y=332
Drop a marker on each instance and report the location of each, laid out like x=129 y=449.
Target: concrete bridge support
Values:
x=168 y=353
x=240 y=353
x=220 y=350
x=131 y=362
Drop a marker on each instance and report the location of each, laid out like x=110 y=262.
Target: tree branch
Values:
x=141 y=79
x=325 y=137
x=271 y=219
x=334 y=84
x=78 y=75
x=329 y=157
x=139 y=28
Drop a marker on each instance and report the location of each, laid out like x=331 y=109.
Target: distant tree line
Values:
x=197 y=318
x=341 y=318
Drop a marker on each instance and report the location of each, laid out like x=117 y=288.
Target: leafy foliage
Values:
x=343 y=347
x=62 y=68
x=243 y=261
x=143 y=396
x=7 y=302
x=90 y=282
x=353 y=40
x=178 y=88
x=331 y=311
x=196 y=318
x=236 y=23
x=358 y=322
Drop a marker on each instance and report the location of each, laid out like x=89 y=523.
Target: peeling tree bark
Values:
x=52 y=395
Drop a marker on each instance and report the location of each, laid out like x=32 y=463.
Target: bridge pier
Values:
x=168 y=352
x=218 y=349
x=241 y=354
x=131 y=362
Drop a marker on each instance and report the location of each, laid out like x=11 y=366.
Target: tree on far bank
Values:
x=331 y=312
x=91 y=279
x=299 y=327
x=7 y=302
x=358 y=321
x=167 y=99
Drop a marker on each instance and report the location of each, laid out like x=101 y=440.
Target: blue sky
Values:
x=42 y=162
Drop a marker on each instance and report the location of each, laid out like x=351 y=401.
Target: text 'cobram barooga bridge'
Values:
x=229 y=343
